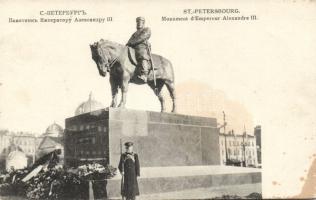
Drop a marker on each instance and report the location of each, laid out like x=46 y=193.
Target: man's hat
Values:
x=140 y=19
x=128 y=144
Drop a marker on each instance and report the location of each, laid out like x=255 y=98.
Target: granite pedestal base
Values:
x=169 y=179
x=160 y=139
x=174 y=150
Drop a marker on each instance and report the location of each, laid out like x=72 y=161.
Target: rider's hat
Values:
x=128 y=144
x=140 y=19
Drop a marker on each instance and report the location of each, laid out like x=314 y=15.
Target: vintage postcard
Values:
x=157 y=99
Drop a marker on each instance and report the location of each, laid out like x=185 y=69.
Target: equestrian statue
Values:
x=134 y=63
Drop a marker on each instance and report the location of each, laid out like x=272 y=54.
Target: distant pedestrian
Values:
x=129 y=169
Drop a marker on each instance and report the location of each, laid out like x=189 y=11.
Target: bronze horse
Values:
x=118 y=60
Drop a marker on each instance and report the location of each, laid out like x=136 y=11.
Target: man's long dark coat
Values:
x=131 y=171
x=139 y=41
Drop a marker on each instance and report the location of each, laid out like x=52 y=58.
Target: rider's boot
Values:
x=144 y=70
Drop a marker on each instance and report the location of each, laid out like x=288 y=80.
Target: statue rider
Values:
x=139 y=41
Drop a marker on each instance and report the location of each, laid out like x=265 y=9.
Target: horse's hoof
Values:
x=121 y=107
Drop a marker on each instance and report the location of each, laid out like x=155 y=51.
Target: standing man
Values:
x=130 y=169
x=139 y=41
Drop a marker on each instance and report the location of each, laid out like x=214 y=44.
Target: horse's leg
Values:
x=162 y=102
x=114 y=96
x=160 y=85
x=172 y=92
x=114 y=90
x=124 y=89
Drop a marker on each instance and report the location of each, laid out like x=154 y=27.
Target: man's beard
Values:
x=139 y=27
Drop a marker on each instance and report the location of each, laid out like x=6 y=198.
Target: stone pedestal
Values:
x=176 y=152
x=161 y=139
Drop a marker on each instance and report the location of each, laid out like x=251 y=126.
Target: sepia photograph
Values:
x=157 y=100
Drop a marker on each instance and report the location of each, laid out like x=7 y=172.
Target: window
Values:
x=81 y=127
x=99 y=128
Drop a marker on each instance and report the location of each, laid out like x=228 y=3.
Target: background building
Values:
x=52 y=139
x=5 y=141
x=238 y=149
x=257 y=133
x=29 y=145
x=87 y=106
x=17 y=160
x=17 y=141
x=86 y=140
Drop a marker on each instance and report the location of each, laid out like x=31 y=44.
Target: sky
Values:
x=266 y=66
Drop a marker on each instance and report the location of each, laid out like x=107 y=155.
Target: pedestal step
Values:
x=155 y=180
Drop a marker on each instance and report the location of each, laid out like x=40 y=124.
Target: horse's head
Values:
x=100 y=57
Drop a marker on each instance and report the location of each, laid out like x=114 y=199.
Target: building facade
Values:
x=86 y=140
x=52 y=139
x=238 y=149
x=257 y=133
x=32 y=146
x=16 y=160
x=17 y=141
x=86 y=136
